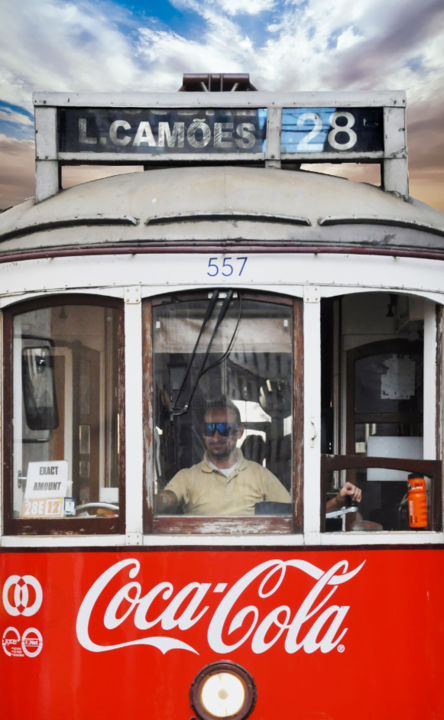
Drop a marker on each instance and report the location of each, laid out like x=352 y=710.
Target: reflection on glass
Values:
x=65 y=407
x=237 y=352
x=38 y=387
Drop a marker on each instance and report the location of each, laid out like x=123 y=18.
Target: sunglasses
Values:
x=223 y=428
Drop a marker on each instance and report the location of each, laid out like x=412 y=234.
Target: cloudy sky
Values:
x=112 y=45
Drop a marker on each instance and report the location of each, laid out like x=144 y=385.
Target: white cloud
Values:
x=348 y=38
x=231 y=7
x=95 y=45
x=53 y=45
x=81 y=46
x=246 y=7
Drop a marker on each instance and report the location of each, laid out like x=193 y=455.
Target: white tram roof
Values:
x=197 y=204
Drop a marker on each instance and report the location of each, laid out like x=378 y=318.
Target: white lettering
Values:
x=84 y=139
x=246 y=136
x=119 y=139
x=312 y=625
x=111 y=620
x=174 y=138
x=165 y=590
x=144 y=134
x=223 y=135
x=186 y=619
x=84 y=615
x=198 y=128
x=259 y=644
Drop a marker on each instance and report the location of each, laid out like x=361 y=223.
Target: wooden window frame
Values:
x=223 y=525
x=59 y=526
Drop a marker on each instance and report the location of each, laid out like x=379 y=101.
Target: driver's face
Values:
x=219 y=447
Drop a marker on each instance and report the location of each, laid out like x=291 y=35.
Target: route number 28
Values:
x=226 y=266
x=340 y=122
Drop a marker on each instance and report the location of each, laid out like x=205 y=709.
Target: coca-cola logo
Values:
x=161 y=615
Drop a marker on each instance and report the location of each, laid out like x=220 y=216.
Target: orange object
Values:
x=417 y=501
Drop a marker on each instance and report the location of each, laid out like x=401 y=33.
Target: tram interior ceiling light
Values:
x=223 y=690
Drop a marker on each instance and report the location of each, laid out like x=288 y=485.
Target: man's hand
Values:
x=350 y=490
x=347 y=490
x=165 y=502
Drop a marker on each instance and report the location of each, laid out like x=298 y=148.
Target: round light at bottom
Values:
x=223 y=694
x=223 y=690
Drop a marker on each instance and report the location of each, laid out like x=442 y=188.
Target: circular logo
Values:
x=32 y=642
x=11 y=641
x=29 y=644
x=22 y=595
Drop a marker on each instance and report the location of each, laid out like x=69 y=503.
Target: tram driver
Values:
x=225 y=482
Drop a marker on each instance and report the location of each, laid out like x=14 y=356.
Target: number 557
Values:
x=226 y=266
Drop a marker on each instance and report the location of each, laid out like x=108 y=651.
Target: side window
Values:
x=224 y=426
x=62 y=393
x=374 y=415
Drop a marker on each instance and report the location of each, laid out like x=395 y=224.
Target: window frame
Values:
x=71 y=525
x=224 y=525
x=345 y=459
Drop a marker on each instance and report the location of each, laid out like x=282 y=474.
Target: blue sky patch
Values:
x=16 y=122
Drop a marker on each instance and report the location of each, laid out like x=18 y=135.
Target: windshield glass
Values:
x=223 y=404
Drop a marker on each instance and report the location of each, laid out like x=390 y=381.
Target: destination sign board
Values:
x=304 y=130
x=160 y=132
x=261 y=128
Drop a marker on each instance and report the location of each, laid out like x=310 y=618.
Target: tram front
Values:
x=221 y=403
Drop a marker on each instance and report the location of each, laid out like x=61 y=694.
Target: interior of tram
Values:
x=248 y=348
x=373 y=395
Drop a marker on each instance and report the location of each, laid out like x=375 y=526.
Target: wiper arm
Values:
x=209 y=311
x=222 y=312
x=230 y=344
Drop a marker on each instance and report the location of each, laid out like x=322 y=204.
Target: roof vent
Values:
x=219 y=82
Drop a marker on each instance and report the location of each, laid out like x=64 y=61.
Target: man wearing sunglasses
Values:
x=224 y=482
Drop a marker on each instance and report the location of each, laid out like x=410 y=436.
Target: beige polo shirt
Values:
x=204 y=490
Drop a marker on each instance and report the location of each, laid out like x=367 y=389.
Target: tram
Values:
x=313 y=306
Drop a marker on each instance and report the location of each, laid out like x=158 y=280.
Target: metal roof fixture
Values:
x=216 y=82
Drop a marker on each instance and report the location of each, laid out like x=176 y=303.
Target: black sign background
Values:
x=157 y=132
x=351 y=129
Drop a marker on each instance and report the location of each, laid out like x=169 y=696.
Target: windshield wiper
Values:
x=176 y=410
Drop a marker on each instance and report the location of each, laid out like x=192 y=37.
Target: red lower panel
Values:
x=326 y=635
